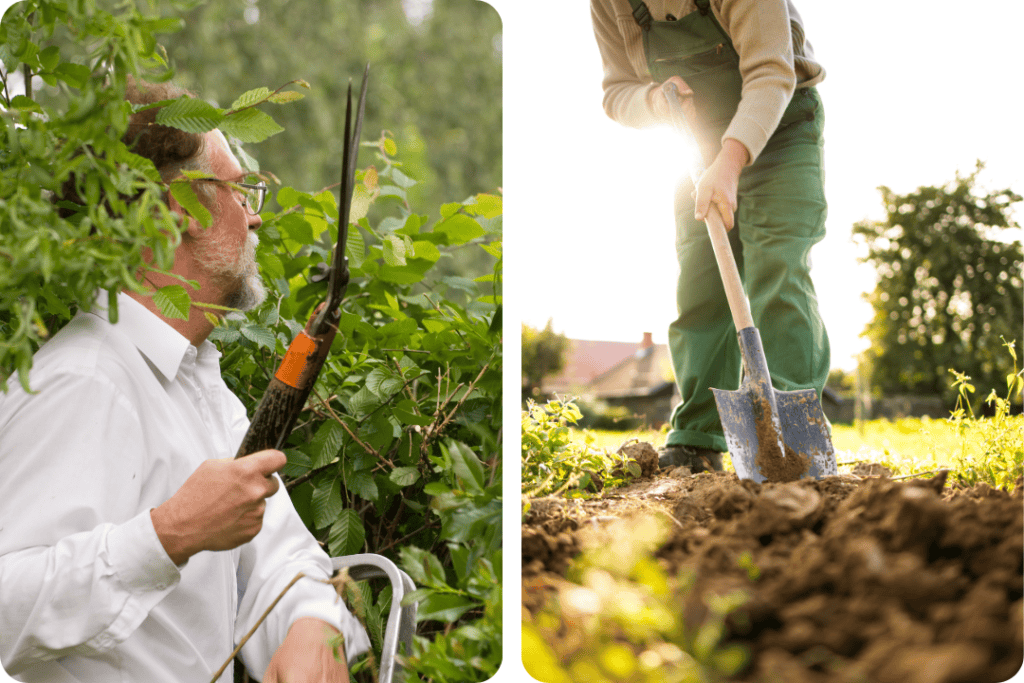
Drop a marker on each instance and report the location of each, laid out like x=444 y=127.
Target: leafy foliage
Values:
x=544 y=353
x=629 y=615
x=997 y=442
x=47 y=262
x=398 y=451
x=552 y=463
x=947 y=283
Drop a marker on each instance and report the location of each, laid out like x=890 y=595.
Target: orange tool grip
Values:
x=302 y=352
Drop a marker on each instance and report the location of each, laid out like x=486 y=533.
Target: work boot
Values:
x=696 y=458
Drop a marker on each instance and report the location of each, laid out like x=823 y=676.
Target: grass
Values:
x=907 y=445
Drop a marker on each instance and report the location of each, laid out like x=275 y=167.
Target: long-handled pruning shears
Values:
x=290 y=386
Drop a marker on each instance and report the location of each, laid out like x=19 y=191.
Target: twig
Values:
x=256 y=626
x=344 y=426
x=404 y=538
x=435 y=431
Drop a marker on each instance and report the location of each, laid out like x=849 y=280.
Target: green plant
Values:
x=398 y=451
x=553 y=464
x=991 y=448
x=626 y=618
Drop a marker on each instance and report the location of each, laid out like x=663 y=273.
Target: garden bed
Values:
x=851 y=578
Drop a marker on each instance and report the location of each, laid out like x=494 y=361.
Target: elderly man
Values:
x=132 y=547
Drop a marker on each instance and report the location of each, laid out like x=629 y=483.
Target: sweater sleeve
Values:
x=71 y=583
x=627 y=84
x=760 y=32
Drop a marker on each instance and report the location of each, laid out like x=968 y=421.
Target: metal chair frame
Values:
x=401 y=623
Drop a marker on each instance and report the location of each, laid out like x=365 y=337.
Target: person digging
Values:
x=747 y=74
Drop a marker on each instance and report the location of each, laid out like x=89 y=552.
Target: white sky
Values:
x=915 y=91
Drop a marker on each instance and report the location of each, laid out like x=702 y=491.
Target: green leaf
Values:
x=486 y=205
x=259 y=334
x=296 y=227
x=251 y=97
x=404 y=476
x=287 y=197
x=24 y=103
x=459 y=229
x=286 y=96
x=363 y=485
x=50 y=57
x=444 y=608
x=423 y=567
x=466 y=465
x=425 y=250
x=326 y=502
x=326 y=442
x=394 y=250
x=173 y=301
x=75 y=75
x=191 y=115
x=347 y=534
x=406 y=411
x=250 y=125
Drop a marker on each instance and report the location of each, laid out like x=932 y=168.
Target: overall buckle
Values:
x=642 y=16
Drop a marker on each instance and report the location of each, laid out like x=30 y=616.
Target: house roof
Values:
x=607 y=369
x=585 y=361
x=647 y=371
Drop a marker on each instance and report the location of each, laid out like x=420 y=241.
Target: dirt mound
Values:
x=858 y=579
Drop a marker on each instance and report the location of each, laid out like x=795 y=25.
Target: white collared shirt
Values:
x=123 y=414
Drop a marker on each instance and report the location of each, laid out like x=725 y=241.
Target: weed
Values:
x=553 y=464
x=991 y=449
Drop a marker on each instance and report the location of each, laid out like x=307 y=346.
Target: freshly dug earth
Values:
x=862 y=578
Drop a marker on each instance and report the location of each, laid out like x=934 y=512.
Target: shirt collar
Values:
x=164 y=346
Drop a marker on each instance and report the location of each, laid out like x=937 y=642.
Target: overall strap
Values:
x=641 y=14
x=704 y=6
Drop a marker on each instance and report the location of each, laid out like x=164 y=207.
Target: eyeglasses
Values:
x=253 y=196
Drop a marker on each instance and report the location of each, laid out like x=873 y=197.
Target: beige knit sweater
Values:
x=768 y=36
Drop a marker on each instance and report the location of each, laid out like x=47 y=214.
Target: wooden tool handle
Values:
x=738 y=303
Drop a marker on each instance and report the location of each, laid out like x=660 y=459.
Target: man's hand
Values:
x=311 y=653
x=658 y=100
x=219 y=507
x=719 y=182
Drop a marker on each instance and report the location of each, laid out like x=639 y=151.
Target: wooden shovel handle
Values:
x=738 y=303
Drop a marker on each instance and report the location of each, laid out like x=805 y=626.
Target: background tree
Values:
x=544 y=353
x=949 y=287
x=436 y=86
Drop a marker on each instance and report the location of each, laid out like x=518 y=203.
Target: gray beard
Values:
x=251 y=291
x=240 y=278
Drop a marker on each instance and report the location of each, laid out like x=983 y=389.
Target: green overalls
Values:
x=781 y=215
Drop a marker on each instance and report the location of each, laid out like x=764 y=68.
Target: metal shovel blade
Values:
x=792 y=418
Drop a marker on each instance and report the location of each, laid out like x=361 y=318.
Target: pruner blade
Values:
x=338 y=281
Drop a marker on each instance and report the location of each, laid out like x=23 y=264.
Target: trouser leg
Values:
x=702 y=339
x=781 y=216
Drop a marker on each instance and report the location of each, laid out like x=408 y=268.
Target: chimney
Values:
x=648 y=342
